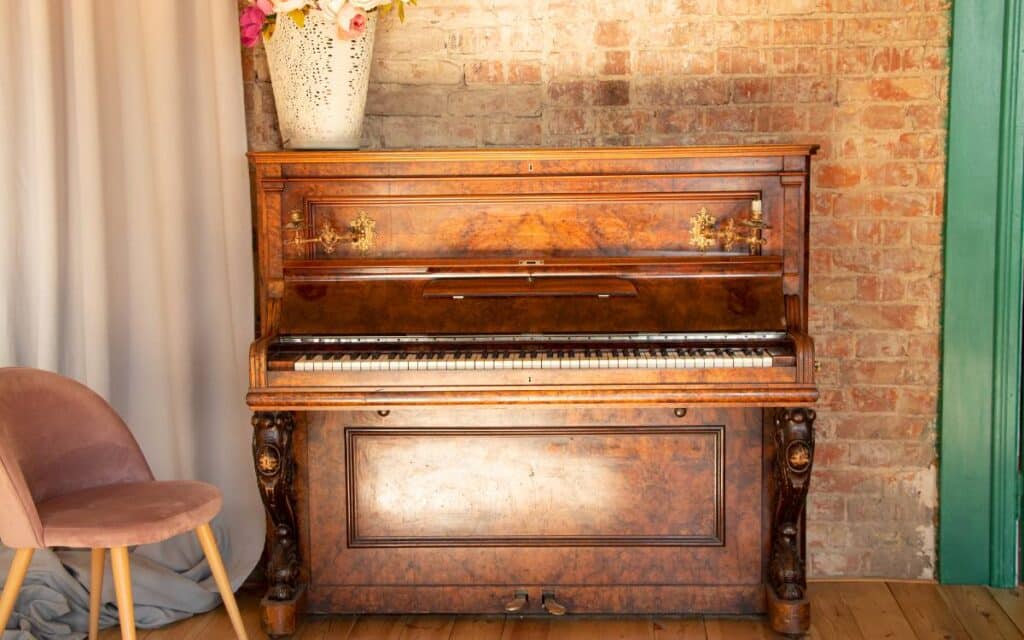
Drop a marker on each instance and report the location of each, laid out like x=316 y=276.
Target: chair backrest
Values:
x=56 y=437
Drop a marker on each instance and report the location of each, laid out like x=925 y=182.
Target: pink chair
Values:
x=72 y=475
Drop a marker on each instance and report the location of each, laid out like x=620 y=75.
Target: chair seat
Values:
x=129 y=514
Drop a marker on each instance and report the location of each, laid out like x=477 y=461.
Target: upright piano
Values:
x=535 y=381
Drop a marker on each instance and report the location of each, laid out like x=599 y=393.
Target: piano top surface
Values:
x=545 y=153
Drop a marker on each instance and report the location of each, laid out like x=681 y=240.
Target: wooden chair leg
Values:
x=22 y=558
x=123 y=588
x=209 y=544
x=96 y=591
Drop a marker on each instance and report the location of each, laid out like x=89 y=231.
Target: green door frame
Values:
x=979 y=419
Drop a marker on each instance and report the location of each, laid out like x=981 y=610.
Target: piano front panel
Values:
x=532 y=216
x=626 y=502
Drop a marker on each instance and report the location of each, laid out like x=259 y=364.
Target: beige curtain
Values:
x=125 y=241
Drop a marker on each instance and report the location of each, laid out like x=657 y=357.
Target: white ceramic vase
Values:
x=319 y=82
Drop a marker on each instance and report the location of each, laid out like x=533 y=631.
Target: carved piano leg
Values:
x=788 y=608
x=272 y=453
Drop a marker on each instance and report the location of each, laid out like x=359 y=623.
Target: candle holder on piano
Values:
x=705 y=231
x=361 y=232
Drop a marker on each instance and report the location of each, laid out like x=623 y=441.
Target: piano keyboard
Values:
x=602 y=358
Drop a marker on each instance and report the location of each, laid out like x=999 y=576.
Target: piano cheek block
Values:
x=538 y=390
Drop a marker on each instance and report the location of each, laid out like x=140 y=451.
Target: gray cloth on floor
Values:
x=170 y=581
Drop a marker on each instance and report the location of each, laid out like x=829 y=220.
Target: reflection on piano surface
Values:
x=499 y=330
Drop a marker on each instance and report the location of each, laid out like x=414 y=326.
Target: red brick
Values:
x=751 y=90
x=612 y=34
x=616 y=63
x=881 y=316
x=882 y=345
x=612 y=93
x=878 y=116
x=489 y=72
x=570 y=121
x=524 y=72
x=832 y=176
x=730 y=119
x=623 y=122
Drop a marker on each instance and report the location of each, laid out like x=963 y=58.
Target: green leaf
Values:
x=298 y=17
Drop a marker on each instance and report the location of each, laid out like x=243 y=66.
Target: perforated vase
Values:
x=319 y=82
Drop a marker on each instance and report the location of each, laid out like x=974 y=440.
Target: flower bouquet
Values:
x=319 y=55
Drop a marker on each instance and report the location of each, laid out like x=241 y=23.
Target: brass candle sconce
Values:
x=705 y=232
x=361 y=232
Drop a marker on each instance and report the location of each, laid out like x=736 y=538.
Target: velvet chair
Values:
x=72 y=475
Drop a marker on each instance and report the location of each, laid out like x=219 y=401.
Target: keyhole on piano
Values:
x=383 y=413
x=679 y=412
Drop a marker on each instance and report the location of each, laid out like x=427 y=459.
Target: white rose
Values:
x=369 y=5
x=332 y=7
x=287 y=6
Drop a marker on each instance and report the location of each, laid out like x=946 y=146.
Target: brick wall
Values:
x=866 y=79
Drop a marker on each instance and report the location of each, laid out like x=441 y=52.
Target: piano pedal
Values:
x=518 y=602
x=552 y=606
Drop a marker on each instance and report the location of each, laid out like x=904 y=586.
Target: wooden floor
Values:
x=839 y=610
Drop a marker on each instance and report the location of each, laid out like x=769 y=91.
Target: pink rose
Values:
x=266 y=6
x=250 y=24
x=351 y=22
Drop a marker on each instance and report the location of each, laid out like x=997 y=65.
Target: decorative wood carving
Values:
x=275 y=469
x=794 y=457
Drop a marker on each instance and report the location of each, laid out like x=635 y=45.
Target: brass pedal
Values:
x=518 y=602
x=552 y=606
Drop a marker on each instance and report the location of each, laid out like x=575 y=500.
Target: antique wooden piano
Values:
x=536 y=381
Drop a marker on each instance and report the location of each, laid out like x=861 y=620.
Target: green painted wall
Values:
x=979 y=414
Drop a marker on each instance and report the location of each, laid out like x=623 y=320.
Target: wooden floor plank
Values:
x=313 y=628
x=926 y=612
x=373 y=628
x=527 y=629
x=341 y=627
x=220 y=624
x=979 y=613
x=584 y=628
x=679 y=628
x=478 y=628
x=1011 y=601
x=830 y=615
x=738 y=629
x=424 y=627
x=839 y=611
x=875 y=610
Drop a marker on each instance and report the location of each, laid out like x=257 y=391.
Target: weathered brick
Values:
x=612 y=34
x=611 y=93
x=616 y=63
x=485 y=71
x=524 y=72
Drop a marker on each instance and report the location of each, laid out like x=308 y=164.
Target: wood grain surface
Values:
x=929 y=611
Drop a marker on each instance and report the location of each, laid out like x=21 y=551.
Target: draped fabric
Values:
x=125 y=240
